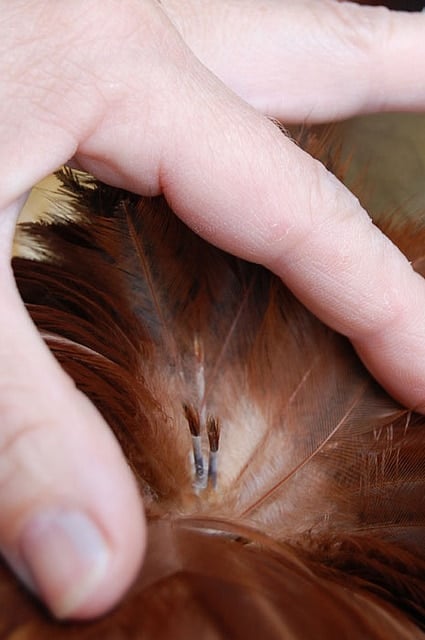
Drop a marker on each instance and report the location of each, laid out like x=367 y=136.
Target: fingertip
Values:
x=67 y=557
x=76 y=563
x=71 y=520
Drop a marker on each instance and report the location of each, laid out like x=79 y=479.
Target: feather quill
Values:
x=311 y=523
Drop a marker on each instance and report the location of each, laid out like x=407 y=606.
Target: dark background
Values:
x=400 y=5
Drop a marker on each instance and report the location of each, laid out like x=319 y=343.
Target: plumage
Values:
x=312 y=523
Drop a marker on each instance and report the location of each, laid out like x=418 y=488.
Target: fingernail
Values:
x=66 y=556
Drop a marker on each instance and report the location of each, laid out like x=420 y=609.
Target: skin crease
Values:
x=154 y=97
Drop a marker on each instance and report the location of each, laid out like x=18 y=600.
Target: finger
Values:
x=71 y=523
x=242 y=185
x=277 y=206
x=309 y=60
x=238 y=182
x=68 y=503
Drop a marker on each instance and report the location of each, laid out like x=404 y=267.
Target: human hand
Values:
x=113 y=85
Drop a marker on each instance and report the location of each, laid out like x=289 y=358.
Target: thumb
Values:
x=71 y=529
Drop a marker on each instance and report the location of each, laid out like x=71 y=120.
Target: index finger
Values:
x=232 y=176
x=278 y=206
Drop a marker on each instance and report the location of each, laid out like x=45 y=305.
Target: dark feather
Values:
x=314 y=526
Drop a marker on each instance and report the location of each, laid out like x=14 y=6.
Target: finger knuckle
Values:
x=322 y=208
x=329 y=203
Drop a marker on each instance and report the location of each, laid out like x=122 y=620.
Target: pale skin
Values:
x=170 y=98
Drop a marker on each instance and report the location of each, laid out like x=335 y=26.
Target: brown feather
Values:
x=314 y=524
